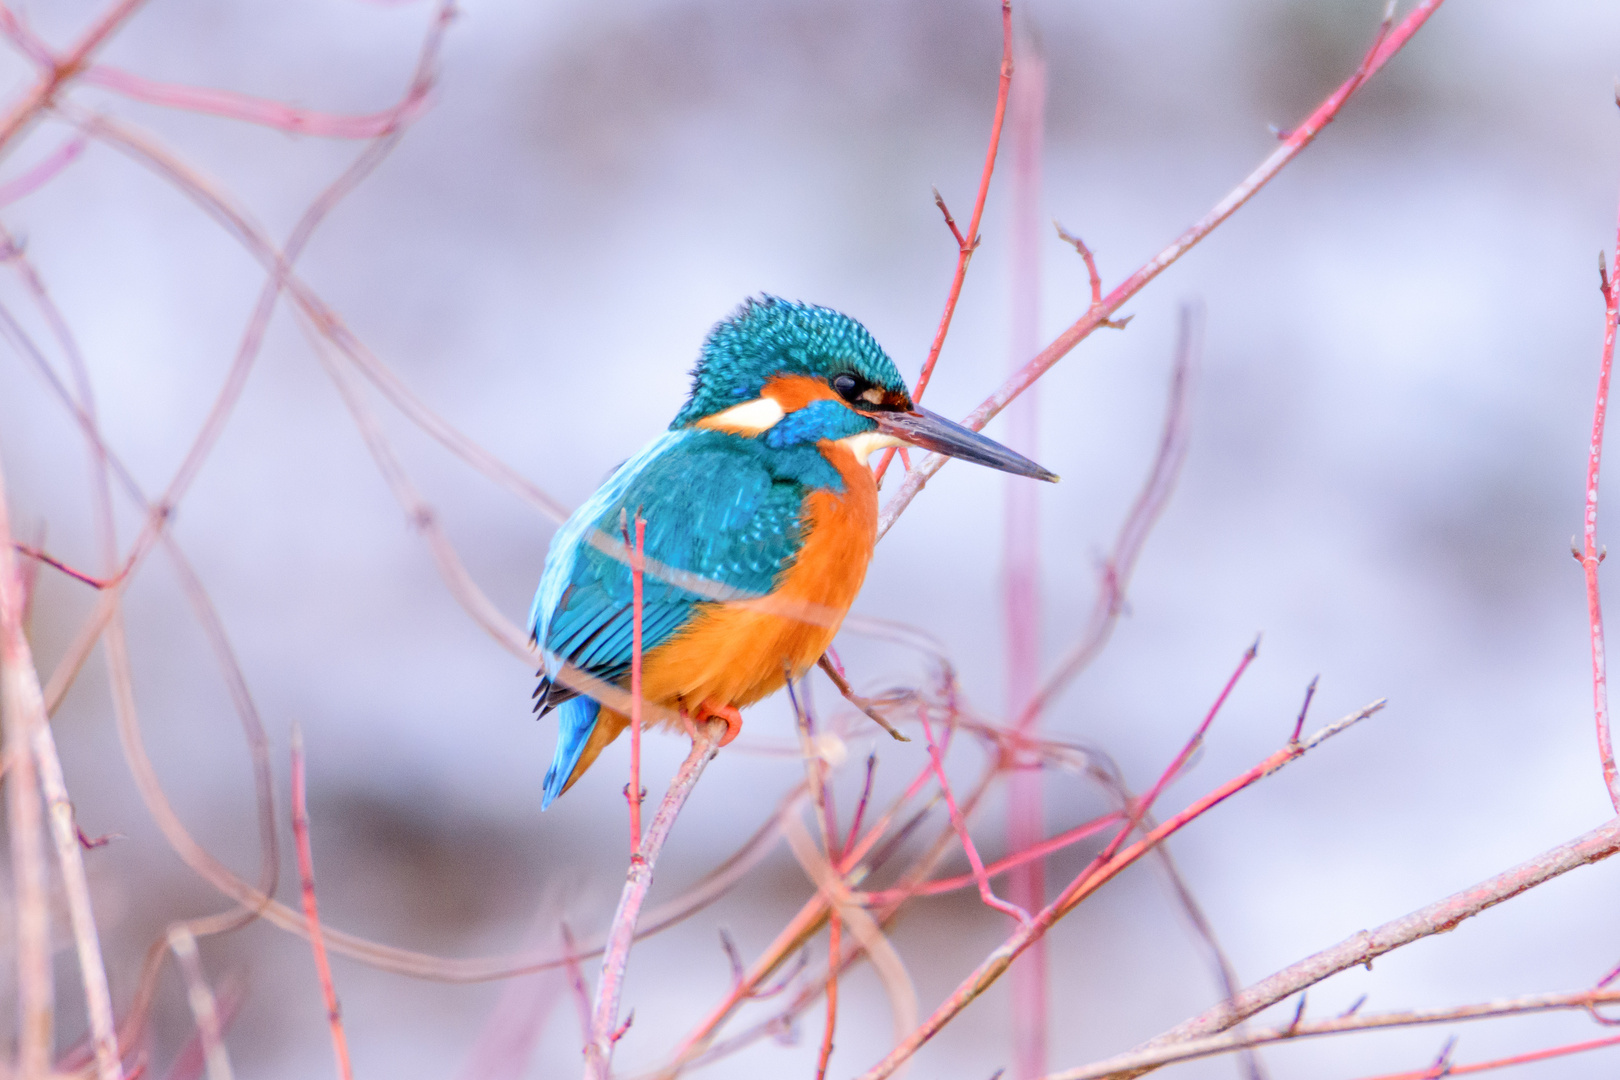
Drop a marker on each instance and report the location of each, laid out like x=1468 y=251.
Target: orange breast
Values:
x=736 y=653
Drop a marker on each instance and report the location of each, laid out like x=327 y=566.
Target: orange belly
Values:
x=737 y=652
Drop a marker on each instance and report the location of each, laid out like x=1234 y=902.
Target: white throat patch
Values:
x=863 y=444
x=749 y=418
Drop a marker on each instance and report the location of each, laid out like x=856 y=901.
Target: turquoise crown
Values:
x=769 y=336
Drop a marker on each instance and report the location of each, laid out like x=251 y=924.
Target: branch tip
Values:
x=1442 y=1064
x=1299 y=1014
x=1299 y=724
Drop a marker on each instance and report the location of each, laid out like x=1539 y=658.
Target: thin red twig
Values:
x=1095 y=278
x=1507 y=1062
x=968 y=244
x=56 y=564
x=312 y=917
x=633 y=792
x=1132 y=537
x=1387 y=43
x=1135 y=1063
x=997 y=868
x=960 y=825
x=1366 y=946
x=1142 y=806
x=860 y=808
x=834 y=955
x=798 y=929
x=1591 y=555
x=1084 y=884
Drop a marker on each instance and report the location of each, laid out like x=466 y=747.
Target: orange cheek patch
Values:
x=794 y=392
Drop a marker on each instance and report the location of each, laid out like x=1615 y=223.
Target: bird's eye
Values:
x=848 y=386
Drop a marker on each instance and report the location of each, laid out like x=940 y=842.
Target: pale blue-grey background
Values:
x=1387 y=454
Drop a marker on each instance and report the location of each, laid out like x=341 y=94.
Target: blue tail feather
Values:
x=576 y=719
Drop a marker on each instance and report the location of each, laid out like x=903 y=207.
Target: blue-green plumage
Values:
x=769 y=337
x=724 y=505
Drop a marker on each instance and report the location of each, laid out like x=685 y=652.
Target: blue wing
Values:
x=721 y=506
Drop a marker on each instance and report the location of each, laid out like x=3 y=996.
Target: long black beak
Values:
x=932 y=431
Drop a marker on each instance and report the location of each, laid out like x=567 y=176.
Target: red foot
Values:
x=710 y=711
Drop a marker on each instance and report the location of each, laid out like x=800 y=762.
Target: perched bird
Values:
x=761 y=487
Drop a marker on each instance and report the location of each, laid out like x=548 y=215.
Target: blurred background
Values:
x=1387 y=451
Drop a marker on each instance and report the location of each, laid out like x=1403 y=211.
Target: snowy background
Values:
x=1387 y=454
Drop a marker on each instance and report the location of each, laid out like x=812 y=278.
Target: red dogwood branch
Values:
x=1086 y=883
x=1590 y=554
x=1449 y=1069
x=967 y=244
x=1389 y=40
x=1368 y=945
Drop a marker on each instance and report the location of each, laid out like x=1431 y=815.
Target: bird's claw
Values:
x=729 y=713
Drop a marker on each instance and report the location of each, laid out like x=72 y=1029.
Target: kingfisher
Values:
x=761 y=514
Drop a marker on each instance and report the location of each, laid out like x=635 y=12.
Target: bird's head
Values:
x=793 y=374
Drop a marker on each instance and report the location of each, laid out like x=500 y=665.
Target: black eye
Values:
x=848 y=386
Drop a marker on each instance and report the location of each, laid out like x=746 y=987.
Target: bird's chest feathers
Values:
x=839 y=530
x=738 y=652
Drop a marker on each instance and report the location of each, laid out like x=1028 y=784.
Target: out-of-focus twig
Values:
x=1115 y=575
x=312 y=915
x=21 y=712
x=262 y=111
x=891 y=970
x=56 y=564
x=58 y=70
x=76 y=887
x=42 y=171
x=1021 y=557
x=204 y=1006
x=1590 y=554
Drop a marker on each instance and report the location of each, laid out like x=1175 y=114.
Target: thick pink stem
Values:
x=1021 y=548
